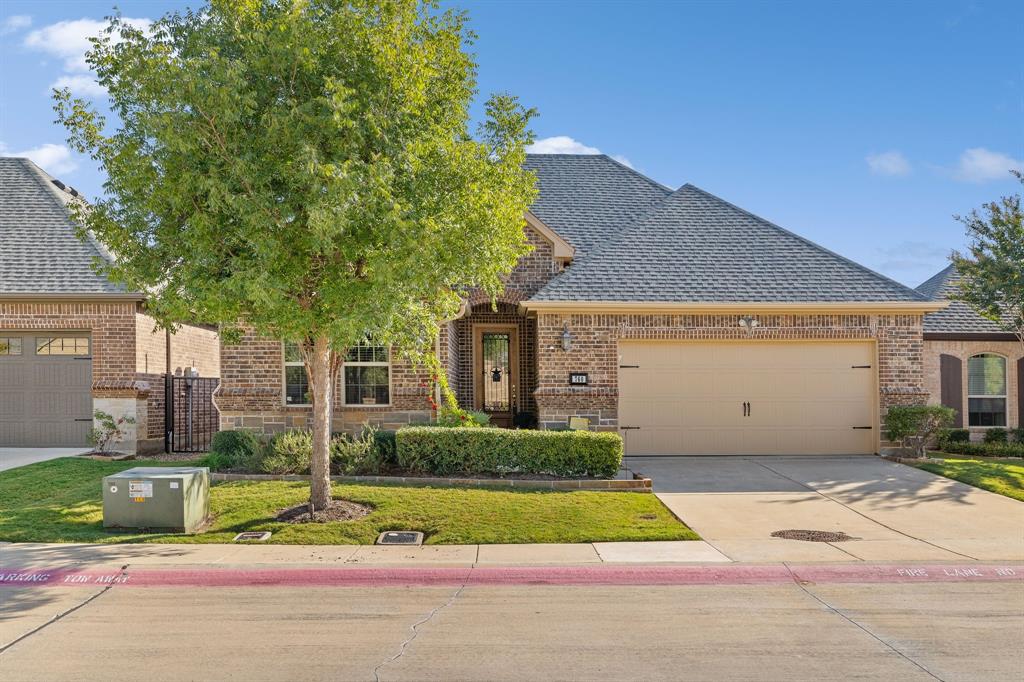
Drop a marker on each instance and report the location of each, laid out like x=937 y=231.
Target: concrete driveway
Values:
x=895 y=512
x=19 y=457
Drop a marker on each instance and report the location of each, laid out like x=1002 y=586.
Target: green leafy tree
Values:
x=304 y=169
x=992 y=273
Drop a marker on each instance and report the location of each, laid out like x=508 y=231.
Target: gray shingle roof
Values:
x=39 y=250
x=693 y=247
x=959 y=317
x=589 y=199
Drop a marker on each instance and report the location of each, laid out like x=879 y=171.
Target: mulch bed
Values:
x=340 y=510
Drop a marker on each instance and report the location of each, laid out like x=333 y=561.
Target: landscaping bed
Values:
x=1002 y=476
x=60 y=501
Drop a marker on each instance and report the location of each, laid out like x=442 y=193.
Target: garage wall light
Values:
x=749 y=323
x=566 y=338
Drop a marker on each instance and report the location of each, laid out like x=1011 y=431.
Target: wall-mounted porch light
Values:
x=749 y=323
x=566 y=338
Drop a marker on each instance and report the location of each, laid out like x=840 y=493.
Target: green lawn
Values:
x=60 y=501
x=1003 y=476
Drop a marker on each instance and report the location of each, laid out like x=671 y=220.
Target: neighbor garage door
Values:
x=45 y=382
x=760 y=398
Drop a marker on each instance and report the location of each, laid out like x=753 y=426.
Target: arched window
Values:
x=986 y=390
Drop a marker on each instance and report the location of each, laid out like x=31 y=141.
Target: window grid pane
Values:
x=986 y=411
x=986 y=375
x=296 y=385
x=10 y=346
x=367 y=353
x=367 y=385
x=62 y=345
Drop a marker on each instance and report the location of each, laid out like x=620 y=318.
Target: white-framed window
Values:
x=366 y=375
x=10 y=345
x=986 y=390
x=296 y=382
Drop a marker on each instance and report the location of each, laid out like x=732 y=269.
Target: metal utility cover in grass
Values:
x=252 y=536
x=400 y=537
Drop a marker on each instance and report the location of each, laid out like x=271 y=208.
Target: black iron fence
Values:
x=190 y=417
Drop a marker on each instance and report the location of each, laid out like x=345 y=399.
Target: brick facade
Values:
x=124 y=379
x=595 y=351
x=1013 y=351
x=252 y=371
x=251 y=394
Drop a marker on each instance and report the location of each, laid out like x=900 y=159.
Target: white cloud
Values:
x=69 y=41
x=563 y=144
x=15 y=23
x=560 y=144
x=982 y=165
x=891 y=163
x=81 y=84
x=55 y=159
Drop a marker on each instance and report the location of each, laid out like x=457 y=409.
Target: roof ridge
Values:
x=937 y=283
x=637 y=173
x=807 y=241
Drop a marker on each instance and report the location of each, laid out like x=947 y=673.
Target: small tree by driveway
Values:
x=306 y=170
x=992 y=273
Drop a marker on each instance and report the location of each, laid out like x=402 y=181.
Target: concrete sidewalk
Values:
x=31 y=555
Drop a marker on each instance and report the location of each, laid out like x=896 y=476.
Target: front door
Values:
x=497 y=372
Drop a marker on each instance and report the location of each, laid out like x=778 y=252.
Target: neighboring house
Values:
x=971 y=363
x=684 y=322
x=71 y=341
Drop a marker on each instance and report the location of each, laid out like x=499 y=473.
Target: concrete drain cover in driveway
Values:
x=811 y=535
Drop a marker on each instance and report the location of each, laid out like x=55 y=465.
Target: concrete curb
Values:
x=638 y=485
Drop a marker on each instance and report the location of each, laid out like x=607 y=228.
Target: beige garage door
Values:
x=45 y=382
x=757 y=398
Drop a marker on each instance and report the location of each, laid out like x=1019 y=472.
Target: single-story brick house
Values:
x=688 y=324
x=71 y=341
x=971 y=362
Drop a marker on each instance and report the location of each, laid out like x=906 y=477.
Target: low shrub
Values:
x=454 y=417
x=235 y=450
x=915 y=426
x=384 y=445
x=289 y=453
x=995 y=436
x=443 y=452
x=355 y=456
x=984 y=449
x=1018 y=434
x=953 y=436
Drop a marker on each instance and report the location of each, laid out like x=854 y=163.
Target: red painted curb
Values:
x=728 y=574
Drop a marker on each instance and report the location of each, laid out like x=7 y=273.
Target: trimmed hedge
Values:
x=571 y=454
x=983 y=449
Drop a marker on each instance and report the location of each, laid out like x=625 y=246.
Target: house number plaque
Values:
x=577 y=378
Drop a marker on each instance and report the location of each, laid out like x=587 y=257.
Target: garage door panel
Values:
x=804 y=397
x=45 y=400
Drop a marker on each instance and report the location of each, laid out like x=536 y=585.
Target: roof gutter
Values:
x=896 y=307
x=28 y=297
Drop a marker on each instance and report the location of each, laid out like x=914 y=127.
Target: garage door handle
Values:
x=85 y=419
x=862 y=428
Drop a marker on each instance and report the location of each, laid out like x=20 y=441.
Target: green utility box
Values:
x=173 y=498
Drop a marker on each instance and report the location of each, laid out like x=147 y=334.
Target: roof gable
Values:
x=40 y=252
x=959 y=317
x=589 y=199
x=694 y=247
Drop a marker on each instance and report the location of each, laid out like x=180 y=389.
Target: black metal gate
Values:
x=190 y=418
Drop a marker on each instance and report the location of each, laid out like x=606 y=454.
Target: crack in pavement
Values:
x=54 y=619
x=863 y=628
x=415 y=629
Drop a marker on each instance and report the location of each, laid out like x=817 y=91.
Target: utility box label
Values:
x=140 y=490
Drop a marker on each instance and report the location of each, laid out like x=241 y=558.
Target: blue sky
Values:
x=862 y=126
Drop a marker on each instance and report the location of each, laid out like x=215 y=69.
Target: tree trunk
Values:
x=321 y=385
